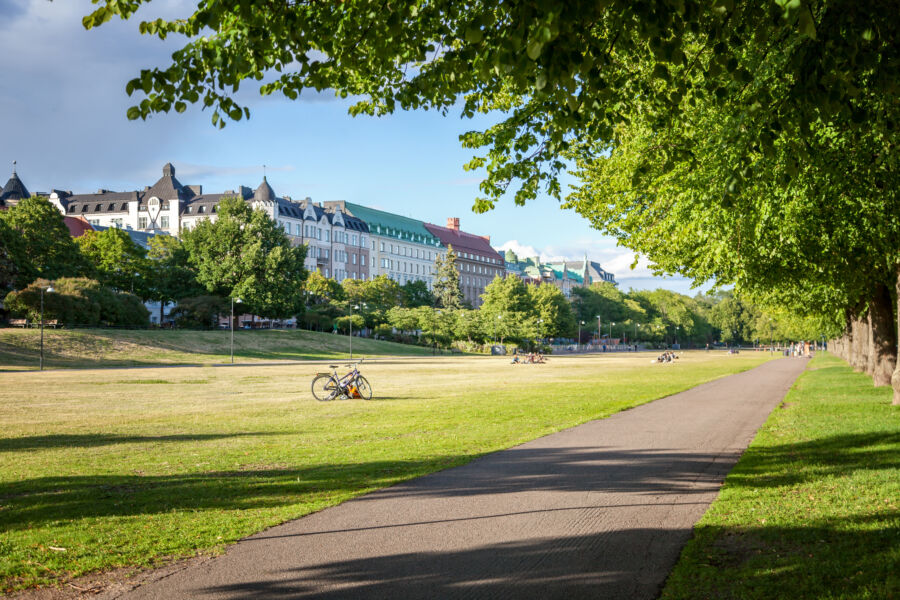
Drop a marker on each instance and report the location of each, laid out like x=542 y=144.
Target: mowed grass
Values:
x=80 y=348
x=122 y=467
x=812 y=510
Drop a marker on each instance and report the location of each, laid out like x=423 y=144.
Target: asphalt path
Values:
x=597 y=511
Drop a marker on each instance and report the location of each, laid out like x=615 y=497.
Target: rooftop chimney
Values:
x=453 y=223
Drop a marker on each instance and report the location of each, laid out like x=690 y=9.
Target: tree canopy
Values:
x=245 y=254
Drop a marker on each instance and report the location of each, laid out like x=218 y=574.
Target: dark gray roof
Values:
x=13 y=190
x=168 y=187
x=264 y=193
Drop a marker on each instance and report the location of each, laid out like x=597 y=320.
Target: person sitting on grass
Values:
x=515 y=359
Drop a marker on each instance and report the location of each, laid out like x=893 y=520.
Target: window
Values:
x=354 y=259
x=354 y=240
x=142 y=222
x=117 y=223
x=382 y=246
x=327 y=252
x=201 y=209
x=319 y=233
x=362 y=259
x=164 y=222
x=297 y=230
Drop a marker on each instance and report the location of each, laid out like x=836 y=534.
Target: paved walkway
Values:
x=598 y=511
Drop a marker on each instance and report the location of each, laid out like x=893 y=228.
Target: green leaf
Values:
x=474 y=35
x=534 y=49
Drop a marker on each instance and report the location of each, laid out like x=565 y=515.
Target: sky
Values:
x=62 y=119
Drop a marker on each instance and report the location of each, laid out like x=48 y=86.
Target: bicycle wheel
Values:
x=325 y=388
x=365 y=390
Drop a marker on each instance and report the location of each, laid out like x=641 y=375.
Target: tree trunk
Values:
x=857 y=358
x=895 y=378
x=883 y=336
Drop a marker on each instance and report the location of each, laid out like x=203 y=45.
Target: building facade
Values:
x=337 y=242
x=399 y=247
x=566 y=275
x=477 y=262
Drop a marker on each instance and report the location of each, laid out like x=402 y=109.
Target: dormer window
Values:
x=124 y=206
x=112 y=207
x=84 y=207
x=215 y=206
x=201 y=209
x=187 y=209
x=72 y=208
x=98 y=208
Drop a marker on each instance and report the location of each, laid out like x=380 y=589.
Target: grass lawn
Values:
x=79 y=348
x=812 y=510
x=100 y=469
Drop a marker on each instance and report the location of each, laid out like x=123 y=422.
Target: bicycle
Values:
x=329 y=386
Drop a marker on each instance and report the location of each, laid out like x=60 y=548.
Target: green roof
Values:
x=393 y=225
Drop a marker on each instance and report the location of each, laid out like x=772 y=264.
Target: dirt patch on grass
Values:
x=107 y=585
x=734 y=549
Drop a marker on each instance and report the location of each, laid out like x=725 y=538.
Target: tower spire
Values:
x=14 y=167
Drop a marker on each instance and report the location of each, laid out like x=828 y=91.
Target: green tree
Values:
x=45 y=241
x=404 y=320
x=553 y=310
x=245 y=254
x=14 y=265
x=447 y=292
x=321 y=290
x=170 y=276
x=416 y=293
x=117 y=261
x=557 y=76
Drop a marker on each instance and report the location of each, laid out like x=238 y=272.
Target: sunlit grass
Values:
x=812 y=510
x=170 y=462
x=20 y=348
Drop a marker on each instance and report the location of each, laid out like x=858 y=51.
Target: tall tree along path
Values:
x=597 y=511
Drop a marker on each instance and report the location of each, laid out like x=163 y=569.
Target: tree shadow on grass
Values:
x=856 y=557
x=832 y=456
x=93 y=440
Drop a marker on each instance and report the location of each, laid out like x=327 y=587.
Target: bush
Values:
x=78 y=301
x=200 y=312
x=385 y=332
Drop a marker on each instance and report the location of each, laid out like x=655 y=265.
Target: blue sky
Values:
x=62 y=117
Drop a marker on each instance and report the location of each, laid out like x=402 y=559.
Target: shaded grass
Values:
x=812 y=510
x=20 y=348
x=125 y=474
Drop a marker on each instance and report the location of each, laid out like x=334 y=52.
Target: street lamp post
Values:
x=232 y=326
x=578 y=341
x=350 y=335
x=49 y=290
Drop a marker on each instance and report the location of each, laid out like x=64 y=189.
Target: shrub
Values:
x=200 y=312
x=78 y=301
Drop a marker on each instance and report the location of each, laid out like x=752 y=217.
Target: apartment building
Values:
x=478 y=263
x=399 y=247
x=338 y=242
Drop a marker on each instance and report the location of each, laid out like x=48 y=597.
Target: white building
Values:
x=337 y=241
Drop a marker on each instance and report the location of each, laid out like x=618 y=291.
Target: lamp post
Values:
x=232 y=326
x=578 y=341
x=350 y=335
x=599 y=328
x=496 y=328
x=49 y=290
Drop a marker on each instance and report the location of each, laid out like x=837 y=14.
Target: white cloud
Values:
x=521 y=250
